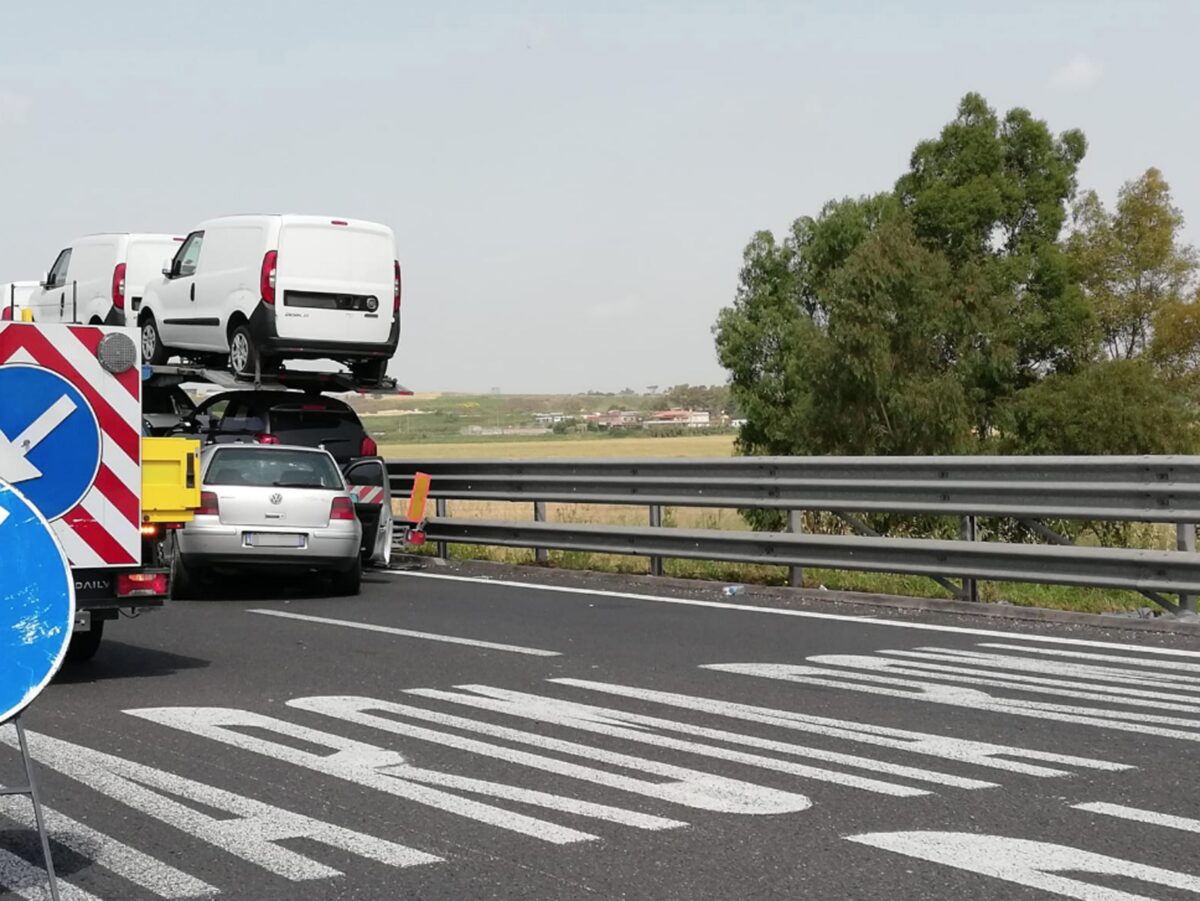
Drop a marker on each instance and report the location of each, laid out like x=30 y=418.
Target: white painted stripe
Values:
x=1036 y=865
x=629 y=726
x=408 y=633
x=1149 y=664
x=124 y=404
x=1062 y=669
x=122 y=465
x=30 y=882
x=1169 y=821
x=970 y=698
x=128 y=863
x=78 y=551
x=124 y=532
x=52 y=417
x=979 y=753
x=805 y=614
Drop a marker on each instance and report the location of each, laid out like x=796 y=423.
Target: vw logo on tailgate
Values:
x=276 y=498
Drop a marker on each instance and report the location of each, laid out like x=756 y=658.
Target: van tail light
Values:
x=266 y=438
x=118 y=286
x=368 y=448
x=342 y=508
x=141 y=584
x=266 y=278
x=396 y=289
x=208 y=504
x=6 y=314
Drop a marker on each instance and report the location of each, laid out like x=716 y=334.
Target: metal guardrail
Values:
x=1155 y=489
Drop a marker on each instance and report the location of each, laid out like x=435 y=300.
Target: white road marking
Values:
x=806 y=614
x=1169 y=821
x=616 y=724
x=978 y=753
x=30 y=881
x=408 y=633
x=141 y=869
x=975 y=699
x=384 y=770
x=1028 y=863
x=1058 y=668
x=253 y=832
x=690 y=788
x=1146 y=662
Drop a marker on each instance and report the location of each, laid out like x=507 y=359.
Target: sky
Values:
x=571 y=185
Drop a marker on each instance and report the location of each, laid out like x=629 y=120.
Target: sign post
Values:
x=37 y=614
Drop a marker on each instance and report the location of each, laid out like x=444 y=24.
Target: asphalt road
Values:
x=500 y=741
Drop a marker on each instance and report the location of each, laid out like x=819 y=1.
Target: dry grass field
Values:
x=569 y=446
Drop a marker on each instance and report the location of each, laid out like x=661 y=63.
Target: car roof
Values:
x=266 y=448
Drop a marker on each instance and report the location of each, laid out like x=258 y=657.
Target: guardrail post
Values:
x=967 y=532
x=439 y=510
x=540 y=554
x=656 y=563
x=1185 y=540
x=796 y=526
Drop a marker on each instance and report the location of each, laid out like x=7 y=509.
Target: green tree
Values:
x=902 y=322
x=1131 y=262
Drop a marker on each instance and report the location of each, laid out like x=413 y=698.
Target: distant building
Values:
x=691 y=419
x=616 y=419
x=549 y=418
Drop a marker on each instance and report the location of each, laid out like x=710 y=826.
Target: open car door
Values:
x=372 y=494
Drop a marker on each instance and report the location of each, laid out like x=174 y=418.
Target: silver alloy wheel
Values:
x=149 y=340
x=239 y=352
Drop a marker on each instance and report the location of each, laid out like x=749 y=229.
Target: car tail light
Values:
x=141 y=584
x=396 y=289
x=341 y=508
x=266 y=278
x=118 y=286
x=208 y=504
x=266 y=438
x=368 y=448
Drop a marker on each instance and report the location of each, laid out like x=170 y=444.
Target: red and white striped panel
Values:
x=366 y=494
x=104 y=528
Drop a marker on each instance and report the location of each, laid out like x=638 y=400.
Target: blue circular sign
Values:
x=49 y=438
x=37 y=602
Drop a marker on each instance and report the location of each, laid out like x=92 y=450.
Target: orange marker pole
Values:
x=419 y=497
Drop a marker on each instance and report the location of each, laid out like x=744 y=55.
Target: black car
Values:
x=164 y=409
x=281 y=417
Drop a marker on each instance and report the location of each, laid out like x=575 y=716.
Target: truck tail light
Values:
x=118 y=286
x=396 y=289
x=208 y=504
x=266 y=438
x=141 y=584
x=342 y=508
x=368 y=448
x=266 y=278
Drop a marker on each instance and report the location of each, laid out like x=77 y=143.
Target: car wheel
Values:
x=153 y=351
x=183 y=583
x=349 y=583
x=84 y=645
x=243 y=355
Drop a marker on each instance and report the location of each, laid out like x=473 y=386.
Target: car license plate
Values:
x=274 y=539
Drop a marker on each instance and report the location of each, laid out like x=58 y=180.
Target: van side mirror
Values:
x=168 y=267
x=45 y=282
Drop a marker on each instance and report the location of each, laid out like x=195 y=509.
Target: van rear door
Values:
x=334 y=281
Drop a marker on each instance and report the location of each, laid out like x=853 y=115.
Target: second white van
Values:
x=97 y=278
x=262 y=289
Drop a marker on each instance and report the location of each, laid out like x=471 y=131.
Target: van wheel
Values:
x=84 y=645
x=153 y=351
x=243 y=355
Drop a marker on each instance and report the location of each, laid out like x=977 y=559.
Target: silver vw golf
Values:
x=269 y=507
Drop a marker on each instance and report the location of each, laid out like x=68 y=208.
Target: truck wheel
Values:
x=349 y=583
x=183 y=583
x=84 y=645
x=243 y=355
x=153 y=351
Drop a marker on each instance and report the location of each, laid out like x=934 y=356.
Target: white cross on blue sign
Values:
x=37 y=603
x=49 y=438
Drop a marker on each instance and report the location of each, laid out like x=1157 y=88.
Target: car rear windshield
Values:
x=267 y=467
x=339 y=431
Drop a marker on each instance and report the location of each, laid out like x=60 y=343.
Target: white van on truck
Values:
x=97 y=278
x=264 y=289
